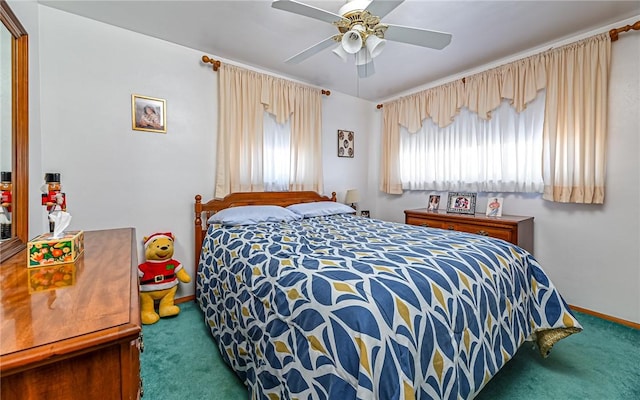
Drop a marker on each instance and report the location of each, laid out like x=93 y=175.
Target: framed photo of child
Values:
x=434 y=202
x=148 y=114
x=494 y=207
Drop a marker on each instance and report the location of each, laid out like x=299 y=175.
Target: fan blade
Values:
x=306 y=10
x=316 y=48
x=366 y=70
x=417 y=36
x=381 y=8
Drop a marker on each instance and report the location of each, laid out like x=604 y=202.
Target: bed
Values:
x=331 y=305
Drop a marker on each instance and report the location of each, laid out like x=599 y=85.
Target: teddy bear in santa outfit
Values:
x=159 y=276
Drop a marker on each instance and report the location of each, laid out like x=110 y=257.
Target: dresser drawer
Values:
x=504 y=234
x=429 y=223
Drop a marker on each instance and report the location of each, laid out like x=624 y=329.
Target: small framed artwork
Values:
x=345 y=143
x=148 y=114
x=365 y=213
x=461 y=203
x=434 y=202
x=494 y=207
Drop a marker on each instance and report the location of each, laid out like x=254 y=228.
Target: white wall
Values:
x=341 y=111
x=112 y=175
x=116 y=177
x=591 y=252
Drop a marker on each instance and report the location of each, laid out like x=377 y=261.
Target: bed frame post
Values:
x=197 y=239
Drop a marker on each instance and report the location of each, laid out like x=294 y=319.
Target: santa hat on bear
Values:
x=149 y=239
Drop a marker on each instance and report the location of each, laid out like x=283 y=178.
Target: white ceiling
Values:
x=255 y=34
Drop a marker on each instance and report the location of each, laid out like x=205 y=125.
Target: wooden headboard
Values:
x=204 y=210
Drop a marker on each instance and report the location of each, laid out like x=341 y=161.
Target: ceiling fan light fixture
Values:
x=363 y=57
x=375 y=45
x=340 y=52
x=352 y=40
x=353 y=5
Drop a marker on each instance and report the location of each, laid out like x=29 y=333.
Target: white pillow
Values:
x=250 y=215
x=316 y=209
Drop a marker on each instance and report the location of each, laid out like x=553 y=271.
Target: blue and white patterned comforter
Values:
x=343 y=307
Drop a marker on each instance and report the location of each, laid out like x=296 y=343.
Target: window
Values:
x=276 y=154
x=503 y=154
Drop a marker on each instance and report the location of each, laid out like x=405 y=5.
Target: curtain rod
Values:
x=216 y=65
x=614 y=32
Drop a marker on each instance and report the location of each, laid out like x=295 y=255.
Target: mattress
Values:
x=344 y=307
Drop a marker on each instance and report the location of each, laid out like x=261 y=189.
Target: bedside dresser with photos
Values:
x=514 y=229
x=72 y=331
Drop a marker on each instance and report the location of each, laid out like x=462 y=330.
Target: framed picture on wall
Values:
x=148 y=114
x=345 y=143
x=365 y=213
x=461 y=203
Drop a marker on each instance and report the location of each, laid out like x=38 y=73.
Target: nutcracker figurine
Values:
x=52 y=196
x=5 y=205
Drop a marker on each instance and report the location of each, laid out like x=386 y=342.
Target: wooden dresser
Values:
x=515 y=229
x=78 y=341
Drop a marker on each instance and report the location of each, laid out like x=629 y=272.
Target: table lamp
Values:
x=353 y=196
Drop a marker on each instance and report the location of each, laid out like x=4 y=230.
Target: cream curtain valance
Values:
x=482 y=93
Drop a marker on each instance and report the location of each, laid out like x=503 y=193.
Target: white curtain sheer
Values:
x=501 y=154
x=275 y=155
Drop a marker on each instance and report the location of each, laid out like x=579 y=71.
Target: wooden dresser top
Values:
x=442 y=214
x=97 y=308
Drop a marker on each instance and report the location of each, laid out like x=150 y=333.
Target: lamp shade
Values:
x=352 y=40
x=375 y=45
x=339 y=51
x=353 y=196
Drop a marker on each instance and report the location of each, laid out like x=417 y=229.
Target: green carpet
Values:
x=181 y=361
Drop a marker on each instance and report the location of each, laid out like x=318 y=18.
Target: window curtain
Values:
x=244 y=96
x=575 y=114
x=575 y=128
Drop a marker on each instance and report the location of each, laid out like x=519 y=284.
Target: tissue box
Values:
x=53 y=277
x=43 y=250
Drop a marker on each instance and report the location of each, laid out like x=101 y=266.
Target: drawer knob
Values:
x=425 y=225
x=451 y=227
x=483 y=233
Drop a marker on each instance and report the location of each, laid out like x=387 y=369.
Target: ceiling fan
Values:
x=361 y=32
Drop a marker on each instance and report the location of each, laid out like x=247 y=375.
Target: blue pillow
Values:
x=319 y=208
x=250 y=215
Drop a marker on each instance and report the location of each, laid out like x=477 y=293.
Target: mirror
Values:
x=14 y=132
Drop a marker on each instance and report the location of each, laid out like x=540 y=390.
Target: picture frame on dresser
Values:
x=494 y=207
x=434 y=202
x=461 y=203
